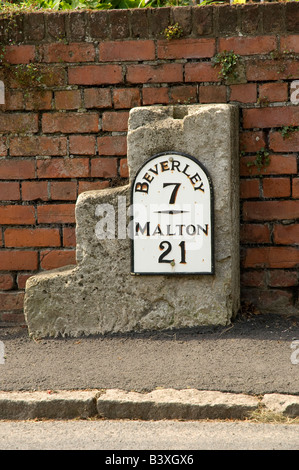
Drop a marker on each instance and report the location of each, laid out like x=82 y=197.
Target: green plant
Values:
x=174 y=31
x=228 y=62
x=286 y=131
x=263 y=101
x=262 y=160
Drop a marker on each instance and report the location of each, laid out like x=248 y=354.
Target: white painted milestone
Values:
x=172 y=209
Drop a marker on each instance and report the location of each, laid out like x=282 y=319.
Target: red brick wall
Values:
x=63 y=127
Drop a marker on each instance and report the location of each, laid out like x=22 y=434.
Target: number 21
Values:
x=168 y=250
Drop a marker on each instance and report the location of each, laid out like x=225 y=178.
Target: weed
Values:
x=262 y=160
x=287 y=131
x=228 y=62
x=174 y=31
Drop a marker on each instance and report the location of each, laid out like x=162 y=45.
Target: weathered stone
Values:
x=287 y=405
x=175 y=404
x=100 y=295
x=48 y=405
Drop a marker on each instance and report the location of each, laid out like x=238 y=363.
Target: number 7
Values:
x=174 y=192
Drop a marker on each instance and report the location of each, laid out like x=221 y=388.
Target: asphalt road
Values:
x=253 y=356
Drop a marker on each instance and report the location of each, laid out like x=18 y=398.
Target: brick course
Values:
x=65 y=133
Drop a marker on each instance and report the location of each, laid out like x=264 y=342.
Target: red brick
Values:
x=21 y=279
x=271 y=117
x=64 y=191
x=14 y=101
x=279 y=165
x=17 y=260
x=127 y=50
x=9 y=191
x=70 y=122
x=276 y=187
x=33 y=237
x=212 y=94
x=17 y=215
x=33 y=190
x=201 y=72
x=183 y=94
x=51 y=259
x=11 y=301
x=286 y=234
x=68 y=99
x=37 y=100
x=249 y=188
x=274 y=92
x=82 y=144
x=69 y=236
x=126 y=98
x=92 y=186
x=19 y=54
x=38 y=145
x=112 y=145
x=248 y=45
x=253 y=278
x=270 y=210
x=243 y=93
x=115 y=121
x=104 y=167
x=162 y=73
x=186 y=48
x=46 y=76
x=255 y=233
x=282 y=278
x=95 y=75
x=280 y=144
x=18 y=122
x=16 y=169
x=252 y=141
x=273 y=300
x=13 y=317
x=74 y=52
x=63 y=168
x=6 y=281
x=264 y=70
x=151 y=95
x=56 y=213
x=54 y=76
x=290 y=43
x=123 y=168
x=295 y=187
x=97 y=98
x=3 y=150
x=271 y=257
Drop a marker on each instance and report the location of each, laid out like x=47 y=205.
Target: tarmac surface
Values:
x=199 y=373
x=256 y=354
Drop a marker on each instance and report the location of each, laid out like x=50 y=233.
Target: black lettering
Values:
x=156 y=169
x=164 y=166
x=148 y=177
x=168 y=250
x=141 y=187
x=146 y=228
x=204 y=230
x=184 y=171
x=192 y=227
x=176 y=165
